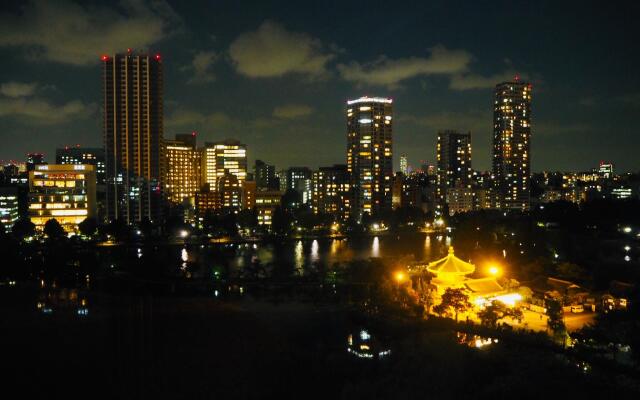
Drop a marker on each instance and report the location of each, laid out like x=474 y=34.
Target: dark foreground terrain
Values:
x=174 y=347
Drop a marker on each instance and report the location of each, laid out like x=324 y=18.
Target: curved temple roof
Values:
x=451 y=265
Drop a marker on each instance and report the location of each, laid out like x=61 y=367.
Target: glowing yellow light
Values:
x=399 y=276
x=495 y=271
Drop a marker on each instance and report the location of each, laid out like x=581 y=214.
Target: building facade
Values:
x=511 y=144
x=266 y=203
x=83 y=155
x=132 y=90
x=331 y=191
x=182 y=168
x=66 y=193
x=370 y=154
x=217 y=157
x=9 y=208
x=453 y=152
x=265 y=176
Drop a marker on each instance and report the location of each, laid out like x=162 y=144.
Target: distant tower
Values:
x=370 y=154
x=133 y=133
x=453 y=153
x=511 y=144
x=404 y=166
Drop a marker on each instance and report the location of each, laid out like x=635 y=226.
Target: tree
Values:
x=454 y=299
x=572 y=272
x=88 y=227
x=23 y=228
x=53 y=229
x=490 y=315
x=555 y=322
x=496 y=311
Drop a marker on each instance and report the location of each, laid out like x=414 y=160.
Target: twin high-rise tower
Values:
x=133 y=132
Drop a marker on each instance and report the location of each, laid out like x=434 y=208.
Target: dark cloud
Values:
x=73 y=33
x=273 y=51
x=201 y=67
x=33 y=111
x=292 y=111
x=390 y=72
x=18 y=89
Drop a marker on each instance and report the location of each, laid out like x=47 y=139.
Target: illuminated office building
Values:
x=133 y=132
x=511 y=144
x=182 y=168
x=370 y=154
x=83 y=155
x=217 y=157
x=66 y=193
x=266 y=203
x=453 y=152
x=9 y=212
x=229 y=193
x=331 y=194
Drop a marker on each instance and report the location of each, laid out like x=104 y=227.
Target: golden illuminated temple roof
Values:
x=451 y=265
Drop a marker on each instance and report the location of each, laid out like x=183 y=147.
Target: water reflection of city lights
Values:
x=335 y=246
x=375 y=247
x=184 y=255
x=314 y=251
x=298 y=256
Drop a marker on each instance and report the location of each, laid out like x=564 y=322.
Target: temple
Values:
x=452 y=272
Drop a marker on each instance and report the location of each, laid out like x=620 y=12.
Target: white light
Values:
x=627 y=229
x=627 y=248
x=366 y=99
x=364 y=335
x=364 y=121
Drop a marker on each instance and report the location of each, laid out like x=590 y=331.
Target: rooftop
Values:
x=451 y=265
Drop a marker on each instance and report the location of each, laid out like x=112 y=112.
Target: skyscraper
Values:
x=454 y=162
x=217 y=157
x=511 y=144
x=370 y=154
x=133 y=134
x=182 y=166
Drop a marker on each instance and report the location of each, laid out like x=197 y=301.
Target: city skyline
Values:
x=225 y=87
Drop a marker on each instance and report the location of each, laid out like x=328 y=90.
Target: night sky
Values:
x=276 y=74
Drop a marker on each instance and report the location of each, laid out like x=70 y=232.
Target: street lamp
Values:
x=494 y=270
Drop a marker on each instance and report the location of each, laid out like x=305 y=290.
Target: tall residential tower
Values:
x=133 y=130
x=370 y=154
x=511 y=144
x=454 y=163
